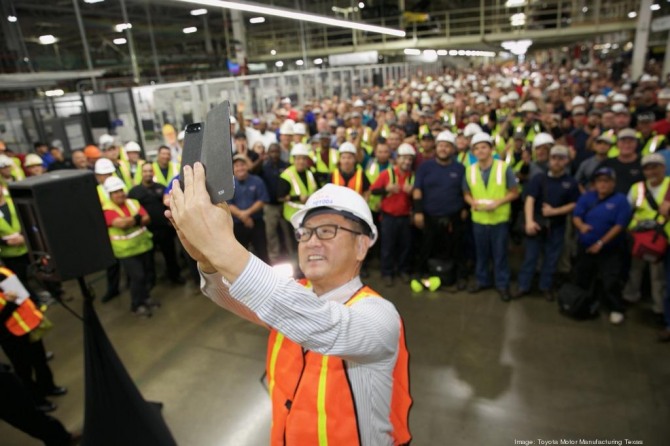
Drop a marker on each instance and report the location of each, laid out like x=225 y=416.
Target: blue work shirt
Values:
x=247 y=193
x=441 y=187
x=603 y=215
x=555 y=191
x=270 y=172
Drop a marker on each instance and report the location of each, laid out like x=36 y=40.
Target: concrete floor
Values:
x=482 y=372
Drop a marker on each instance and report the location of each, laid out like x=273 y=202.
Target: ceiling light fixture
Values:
x=190 y=30
x=11 y=18
x=655 y=7
x=120 y=41
x=318 y=61
x=273 y=52
x=295 y=15
x=47 y=39
x=93 y=1
x=632 y=15
x=412 y=51
x=122 y=27
x=201 y=11
x=299 y=63
x=53 y=93
x=257 y=20
x=279 y=64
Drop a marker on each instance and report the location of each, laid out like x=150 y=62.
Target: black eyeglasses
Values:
x=323 y=232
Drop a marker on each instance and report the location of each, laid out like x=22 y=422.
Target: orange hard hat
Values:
x=92 y=152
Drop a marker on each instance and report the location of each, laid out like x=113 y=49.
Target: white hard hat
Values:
x=342 y=200
x=503 y=99
x=347 y=147
x=645 y=78
x=554 y=86
x=233 y=120
x=481 y=100
x=112 y=184
x=406 y=149
x=578 y=100
x=286 y=100
x=132 y=146
x=481 y=137
x=529 y=106
x=33 y=160
x=299 y=129
x=471 y=130
x=600 y=99
x=5 y=161
x=447 y=99
x=426 y=100
x=620 y=98
x=542 y=139
x=105 y=141
x=513 y=96
x=359 y=103
x=286 y=127
x=300 y=150
x=104 y=166
x=446 y=136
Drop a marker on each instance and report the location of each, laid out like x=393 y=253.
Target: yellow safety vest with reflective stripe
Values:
x=126 y=176
x=385 y=131
x=653 y=144
x=333 y=159
x=173 y=170
x=496 y=189
x=449 y=118
x=298 y=188
x=137 y=176
x=373 y=171
x=132 y=241
x=17 y=169
x=642 y=211
x=6 y=230
x=423 y=131
x=366 y=139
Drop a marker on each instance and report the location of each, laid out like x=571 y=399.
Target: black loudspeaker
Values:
x=63 y=224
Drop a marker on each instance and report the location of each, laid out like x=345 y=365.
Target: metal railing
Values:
x=482 y=20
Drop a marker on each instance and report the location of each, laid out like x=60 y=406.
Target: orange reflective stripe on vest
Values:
x=25 y=318
x=355 y=182
x=312 y=399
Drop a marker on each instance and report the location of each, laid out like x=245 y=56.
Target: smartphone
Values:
x=211 y=144
x=217 y=154
x=193 y=136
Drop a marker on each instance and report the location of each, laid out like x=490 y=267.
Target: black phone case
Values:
x=193 y=137
x=217 y=154
x=211 y=144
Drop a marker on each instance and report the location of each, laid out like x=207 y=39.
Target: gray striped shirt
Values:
x=365 y=335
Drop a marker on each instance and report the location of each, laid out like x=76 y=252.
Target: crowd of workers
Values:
x=571 y=164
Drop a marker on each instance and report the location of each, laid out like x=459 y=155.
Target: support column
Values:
x=84 y=42
x=666 y=61
x=641 y=39
x=239 y=39
x=131 y=45
x=152 y=40
x=209 y=49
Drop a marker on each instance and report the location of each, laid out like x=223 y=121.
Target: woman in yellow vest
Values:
x=131 y=241
x=18 y=318
x=655 y=184
x=489 y=189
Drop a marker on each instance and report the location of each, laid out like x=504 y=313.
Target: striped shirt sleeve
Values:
x=365 y=332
